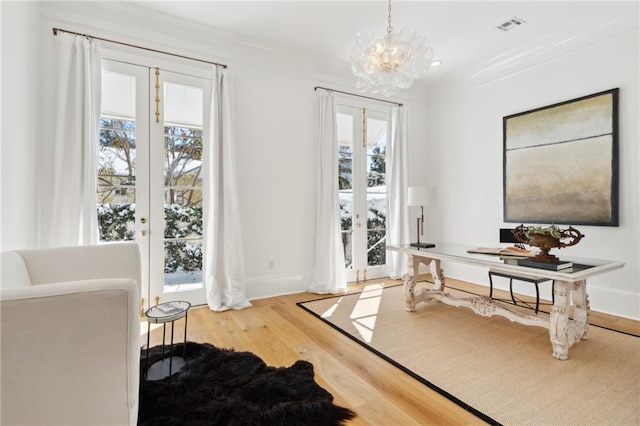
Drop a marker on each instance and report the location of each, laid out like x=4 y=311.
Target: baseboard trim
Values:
x=265 y=287
x=614 y=302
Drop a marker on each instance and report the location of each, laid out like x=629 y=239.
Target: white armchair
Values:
x=70 y=335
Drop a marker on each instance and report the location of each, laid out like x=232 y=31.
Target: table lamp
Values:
x=421 y=196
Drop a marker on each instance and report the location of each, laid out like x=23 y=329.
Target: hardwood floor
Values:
x=280 y=333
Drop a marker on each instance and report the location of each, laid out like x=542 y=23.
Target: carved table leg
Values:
x=559 y=320
x=564 y=331
x=581 y=308
x=411 y=297
x=410 y=283
x=438 y=276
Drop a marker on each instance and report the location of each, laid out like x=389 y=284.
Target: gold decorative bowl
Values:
x=547 y=238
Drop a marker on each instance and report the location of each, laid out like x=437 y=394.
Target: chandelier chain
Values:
x=389 y=27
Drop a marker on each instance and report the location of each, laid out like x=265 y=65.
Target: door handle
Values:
x=143 y=233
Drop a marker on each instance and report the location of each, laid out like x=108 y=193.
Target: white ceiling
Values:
x=463 y=34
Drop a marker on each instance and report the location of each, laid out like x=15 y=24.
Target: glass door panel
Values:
x=176 y=158
x=345 y=127
x=377 y=138
x=123 y=188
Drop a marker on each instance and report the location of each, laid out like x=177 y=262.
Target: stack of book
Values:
x=551 y=266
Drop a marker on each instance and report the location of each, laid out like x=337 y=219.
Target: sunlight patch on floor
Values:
x=332 y=309
x=365 y=312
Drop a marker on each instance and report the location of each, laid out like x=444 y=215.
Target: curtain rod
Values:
x=55 y=33
x=354 y=94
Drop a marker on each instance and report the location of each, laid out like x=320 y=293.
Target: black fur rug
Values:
x=224 y=387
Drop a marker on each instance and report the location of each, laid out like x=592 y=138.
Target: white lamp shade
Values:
x=421 y=196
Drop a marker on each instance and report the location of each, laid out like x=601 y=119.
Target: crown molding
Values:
x=536 y=52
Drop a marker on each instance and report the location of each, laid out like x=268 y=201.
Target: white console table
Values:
x=569 y=291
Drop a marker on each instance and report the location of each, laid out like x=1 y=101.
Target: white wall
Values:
x=21 y=116
x=455 y=142
x=276 y=158
x=465 y=135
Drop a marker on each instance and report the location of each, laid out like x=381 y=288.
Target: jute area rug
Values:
x=501 y=371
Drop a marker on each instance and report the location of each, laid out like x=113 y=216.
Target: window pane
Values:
x=183 y=213
x=345 y=168
x=116 y=221
x=376 y=228
x=182 y=262
x=376 y=211
x=190 y=196
x=344 y=125
x=118 y=95
x=346 y=211
x=347 y=244
x=376 y=136
x=183 y=156
x=376 y=172
x=117 y=150
x=184 y=131
x=376 y=253
x=183 y=105
x=116 y=194
x=112 y=136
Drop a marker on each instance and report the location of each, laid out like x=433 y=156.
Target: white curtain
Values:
x=399 y=229
x=329 y=274
x=68 y=214
x=224 y=273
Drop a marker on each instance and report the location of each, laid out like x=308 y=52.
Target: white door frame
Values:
x=149 y=178
x=360 y=113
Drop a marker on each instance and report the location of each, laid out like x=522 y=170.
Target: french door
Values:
x=363 y=137
x=149 y=175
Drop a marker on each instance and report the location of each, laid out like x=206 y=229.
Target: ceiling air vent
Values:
x=511 y=23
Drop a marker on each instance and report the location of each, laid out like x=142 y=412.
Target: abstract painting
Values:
x=560 y=162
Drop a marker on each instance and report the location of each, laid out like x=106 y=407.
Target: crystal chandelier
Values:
x=382 y=65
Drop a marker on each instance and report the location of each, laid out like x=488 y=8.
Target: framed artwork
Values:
x=560 y=162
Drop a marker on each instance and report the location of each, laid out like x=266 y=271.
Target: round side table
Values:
x=168 y=312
